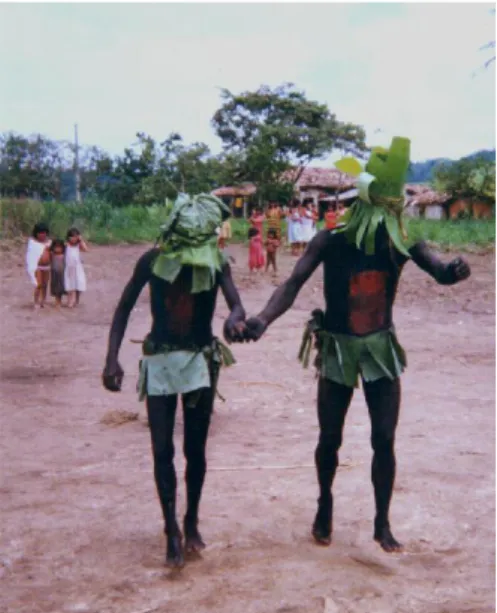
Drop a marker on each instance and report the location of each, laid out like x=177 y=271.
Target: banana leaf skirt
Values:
x=167 y=369
x=342 y=357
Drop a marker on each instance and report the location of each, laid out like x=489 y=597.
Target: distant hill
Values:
x=422 y=172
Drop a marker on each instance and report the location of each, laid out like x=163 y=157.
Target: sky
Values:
x=117 y=69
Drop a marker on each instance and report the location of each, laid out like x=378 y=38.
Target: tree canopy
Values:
x=472 y=178
x=272 y=130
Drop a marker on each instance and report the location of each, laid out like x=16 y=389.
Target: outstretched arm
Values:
x=445 y=274
x=233 y=326
x=284 y=296
x=113 y=373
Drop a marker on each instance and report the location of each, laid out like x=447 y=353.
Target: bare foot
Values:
x=386 y=540
x=174 y=551
x=193 y=540
x=322 y=529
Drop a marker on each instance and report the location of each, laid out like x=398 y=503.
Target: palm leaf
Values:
x=373 y=226
x=395 y=234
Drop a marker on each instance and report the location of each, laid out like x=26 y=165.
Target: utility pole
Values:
x=76 y=164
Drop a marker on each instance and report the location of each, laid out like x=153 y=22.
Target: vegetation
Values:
x=471 y=178
x=264 y=133
x=103 y=224
x=267 y=132
x=424 y=172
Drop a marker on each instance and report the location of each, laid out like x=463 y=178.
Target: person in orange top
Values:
x=274 y=215
x=331 y=217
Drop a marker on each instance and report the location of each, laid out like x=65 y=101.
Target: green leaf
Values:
x=368 y=213
x=394 y=233
x=349 y=165
x=373 y=226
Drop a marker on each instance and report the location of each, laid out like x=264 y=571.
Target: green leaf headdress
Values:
x=189 y=238
x=381 y=195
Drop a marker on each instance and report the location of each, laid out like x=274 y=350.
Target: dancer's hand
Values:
x=254 y=328
x=234 y=330
x=112 y=376
x=460 y=269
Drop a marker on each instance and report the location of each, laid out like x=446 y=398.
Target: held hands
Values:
x=244 y=331
x=459 y=269
x=112 y=376
x=254 y=328
x=234 y=330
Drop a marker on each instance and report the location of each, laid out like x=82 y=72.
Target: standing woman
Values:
x=38 y=262
x=293 y=221
x=74 y=273
x=307 y=223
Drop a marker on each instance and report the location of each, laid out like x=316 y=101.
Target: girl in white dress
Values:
x=307 y=227
x=294 y=229
x=74 y=273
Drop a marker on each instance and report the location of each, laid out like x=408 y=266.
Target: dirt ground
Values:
x=81 y=527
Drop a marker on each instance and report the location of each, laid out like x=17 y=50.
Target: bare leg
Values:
x=383 y=399
x=196 y=428
x=44 y=280
x=333 y=403
x=71 y=297
x=161 y=416
x=78 y=295
x=37 y=292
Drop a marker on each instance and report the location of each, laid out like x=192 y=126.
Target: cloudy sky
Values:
x=116 y=69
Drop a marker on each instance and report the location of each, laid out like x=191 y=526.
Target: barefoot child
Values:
x=74 y=273
x=57 y=265
x=256 y=253
x=272 y=245
x=38 y=262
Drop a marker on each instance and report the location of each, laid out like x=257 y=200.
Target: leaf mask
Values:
x=189 y=238
x=381 y=195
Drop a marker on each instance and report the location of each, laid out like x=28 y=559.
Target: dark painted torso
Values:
x=360 y=290
x=178 y=316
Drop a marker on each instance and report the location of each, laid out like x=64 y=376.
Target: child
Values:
x=272 y=244
x=256 y=253
x=38 y=262
x=74 y=274
x=257 y=219
x=57 y=265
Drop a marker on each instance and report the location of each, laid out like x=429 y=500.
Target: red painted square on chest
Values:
x=179 y=305
x=368 y=301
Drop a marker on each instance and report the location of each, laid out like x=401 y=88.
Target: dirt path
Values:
x=81 y=524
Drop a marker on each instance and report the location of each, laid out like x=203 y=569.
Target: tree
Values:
x=178 y=167
x=30 y=166
x=272 y=130
x=471 y=178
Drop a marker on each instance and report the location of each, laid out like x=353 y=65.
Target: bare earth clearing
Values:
x=81 y=526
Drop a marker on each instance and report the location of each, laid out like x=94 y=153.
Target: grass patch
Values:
x=102 y=224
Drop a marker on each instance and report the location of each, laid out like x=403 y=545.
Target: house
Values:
x=314 y=184
x=422 y=201
x=237 y=197
x=477 y=209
